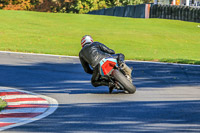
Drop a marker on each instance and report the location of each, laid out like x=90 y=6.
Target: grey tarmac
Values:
x=167 y=97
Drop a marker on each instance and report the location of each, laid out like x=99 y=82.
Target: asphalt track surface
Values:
x=167 y=97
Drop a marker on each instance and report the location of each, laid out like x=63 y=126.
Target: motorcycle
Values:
x=117 y=74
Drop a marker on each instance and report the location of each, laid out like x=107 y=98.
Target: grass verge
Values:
x=139 y=39
x=2 y=104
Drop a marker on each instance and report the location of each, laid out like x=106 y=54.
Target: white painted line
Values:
x=5 y=90
x=27 y=102
x=12 y=120
x=164 y=63
x=77 y=81
x=19 y=96
x=9 y=52
x=23 y=110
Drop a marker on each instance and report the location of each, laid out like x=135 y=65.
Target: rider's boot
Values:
x=111 y=87
x=127 y=71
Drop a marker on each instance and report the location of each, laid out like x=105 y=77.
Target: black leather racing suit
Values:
x=91 y=55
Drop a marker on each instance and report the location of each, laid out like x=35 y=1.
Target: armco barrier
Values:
x=134 y=11
x=109 y=11
x=184 y=13
x=129 y=11
x=119 y=11
x=140 y=11
x=92 y=12
x=100 y=12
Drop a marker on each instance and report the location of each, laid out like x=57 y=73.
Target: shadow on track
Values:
x=125 y=116
x=71 y=78
x=165 y=116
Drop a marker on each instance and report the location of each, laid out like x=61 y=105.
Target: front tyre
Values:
x=128 y=86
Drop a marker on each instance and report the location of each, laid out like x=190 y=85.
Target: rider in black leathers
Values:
x=90 y=56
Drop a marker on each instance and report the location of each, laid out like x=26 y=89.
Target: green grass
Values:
x=139 y=39
x=2 y=104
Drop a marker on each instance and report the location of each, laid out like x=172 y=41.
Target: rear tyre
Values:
x=128 y=86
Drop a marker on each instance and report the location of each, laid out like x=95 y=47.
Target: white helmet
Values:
x=86 y=39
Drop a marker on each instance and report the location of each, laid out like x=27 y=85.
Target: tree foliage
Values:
x=18 y=4
x=74 y=6
x=84 y=6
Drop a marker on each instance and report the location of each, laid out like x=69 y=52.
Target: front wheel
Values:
x=128 y=86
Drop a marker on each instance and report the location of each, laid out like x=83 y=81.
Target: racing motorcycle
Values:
x=111 y=71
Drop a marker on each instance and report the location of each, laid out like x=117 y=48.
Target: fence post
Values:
x=153 y=11
x=167 y=12
x=187 y=13
x=173 y=11
x=181 y=12
x=178 y=13
x=163 y=11
x=170 y=12
x=184 y=14
x=193 y=15
x=159 y=10
x=198 y=15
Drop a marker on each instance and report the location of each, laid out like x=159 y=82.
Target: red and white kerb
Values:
x=23 y=107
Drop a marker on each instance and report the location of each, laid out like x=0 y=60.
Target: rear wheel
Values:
x=128 y=86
